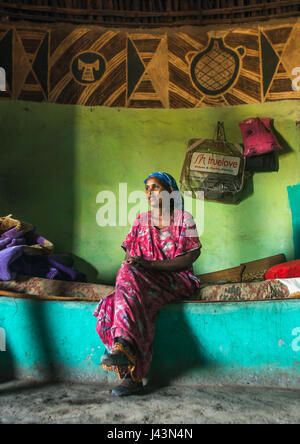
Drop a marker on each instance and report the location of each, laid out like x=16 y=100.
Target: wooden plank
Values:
x=134 y=24
x=144 y=14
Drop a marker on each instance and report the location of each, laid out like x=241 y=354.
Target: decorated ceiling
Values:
x=184 y=68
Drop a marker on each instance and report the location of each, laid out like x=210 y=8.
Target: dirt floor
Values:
x=26 y=401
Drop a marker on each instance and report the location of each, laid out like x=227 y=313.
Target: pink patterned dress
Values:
x=131 y=310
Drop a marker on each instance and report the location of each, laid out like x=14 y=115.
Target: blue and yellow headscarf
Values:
x=167 y=178
x=170 y=181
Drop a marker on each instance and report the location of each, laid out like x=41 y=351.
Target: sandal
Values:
x=128 y=387
x=120 y=360
x=121 y=355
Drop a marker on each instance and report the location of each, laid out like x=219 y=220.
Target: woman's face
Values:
x=153 y=188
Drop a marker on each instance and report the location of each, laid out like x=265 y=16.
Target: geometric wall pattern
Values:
x=96 y=66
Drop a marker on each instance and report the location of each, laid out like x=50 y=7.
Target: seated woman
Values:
x=160 y=249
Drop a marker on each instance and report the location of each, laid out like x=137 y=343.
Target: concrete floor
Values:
x=27 y=401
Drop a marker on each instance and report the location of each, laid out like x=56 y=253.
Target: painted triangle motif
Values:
x=158 y=70
x=270 y=61
x=31 y=41
x=281 y=69
x=40 y=65
x=20 y=61
x=30 y=79
x=30 y=45
x=278 y=35
x=146 y=48
x=135 y=68
x=145 y=86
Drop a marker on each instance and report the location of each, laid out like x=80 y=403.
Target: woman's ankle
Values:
x=129 y=381
x=125 y=343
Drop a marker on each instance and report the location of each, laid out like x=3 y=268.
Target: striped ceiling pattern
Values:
x=96 y=66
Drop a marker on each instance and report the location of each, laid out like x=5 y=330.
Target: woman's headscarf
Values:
x=171 y=182
x=167 y=178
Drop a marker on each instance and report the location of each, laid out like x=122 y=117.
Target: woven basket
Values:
x=7 y=223
x=229 y=275
x=256 y=270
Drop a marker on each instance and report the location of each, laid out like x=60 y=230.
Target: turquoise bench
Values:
x=249 y=342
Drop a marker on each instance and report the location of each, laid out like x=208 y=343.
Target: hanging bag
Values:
x=263 y=163
x=214 y=166
x=258 y=137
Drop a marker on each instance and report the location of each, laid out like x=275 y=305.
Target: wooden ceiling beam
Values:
x=141 y=14
x=149 y=13
x=201 y=21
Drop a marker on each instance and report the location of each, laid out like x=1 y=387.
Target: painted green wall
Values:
x=57 y=158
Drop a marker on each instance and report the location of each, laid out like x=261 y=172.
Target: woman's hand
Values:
x=137 y=261
x=179 y=263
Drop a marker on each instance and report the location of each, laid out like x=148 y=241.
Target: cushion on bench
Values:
x=250 y=291
x=54 y=289
x=35 y=286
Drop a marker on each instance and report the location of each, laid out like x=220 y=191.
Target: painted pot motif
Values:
x=215 y=70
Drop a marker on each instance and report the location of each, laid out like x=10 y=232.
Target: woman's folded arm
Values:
x=178 y=263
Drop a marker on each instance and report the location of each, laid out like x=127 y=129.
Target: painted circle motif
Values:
x=88 y=67
x=214 y=70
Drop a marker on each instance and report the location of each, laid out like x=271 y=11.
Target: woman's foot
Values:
x=115 y=358
x=128 y=387
x=121 y=355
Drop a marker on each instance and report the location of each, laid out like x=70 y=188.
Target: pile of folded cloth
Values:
x=23 y=251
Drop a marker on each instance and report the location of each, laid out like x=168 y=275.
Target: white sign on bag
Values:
x=215 y=163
